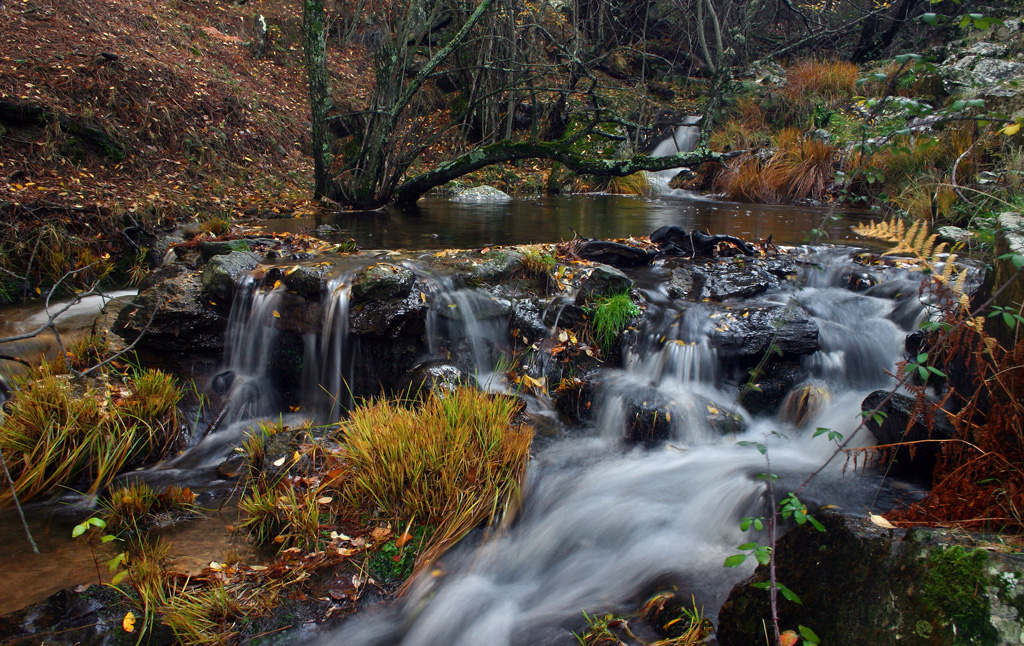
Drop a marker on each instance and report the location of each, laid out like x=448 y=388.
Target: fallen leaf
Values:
x=403 y=539
x=881 y=522
x=128 y=623
x=279 y=462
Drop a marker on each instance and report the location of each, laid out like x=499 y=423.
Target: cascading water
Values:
x=683 y=140
x=327 y=362
x=602 y=525
x=250 y=341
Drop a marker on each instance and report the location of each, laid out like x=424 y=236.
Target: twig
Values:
x=17 y=503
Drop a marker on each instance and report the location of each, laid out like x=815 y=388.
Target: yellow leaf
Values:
x=1011 y=129
x=277 y=314
x=881 y=522
x=128 y=623
x=326 y=500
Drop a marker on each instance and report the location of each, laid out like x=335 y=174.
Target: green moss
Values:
x=391 y=565
x=954 y=588
x=612 y=313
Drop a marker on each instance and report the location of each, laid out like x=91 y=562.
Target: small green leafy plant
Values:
x=611 y=314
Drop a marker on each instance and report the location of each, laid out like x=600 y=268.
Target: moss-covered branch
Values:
x=507 y=151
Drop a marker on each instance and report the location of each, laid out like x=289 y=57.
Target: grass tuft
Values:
x=612 y=313
x=455 y=462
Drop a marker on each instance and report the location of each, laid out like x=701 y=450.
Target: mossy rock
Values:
x=865 y=584
x=383 y=281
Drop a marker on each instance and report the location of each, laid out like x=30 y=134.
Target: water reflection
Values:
x=439 y=223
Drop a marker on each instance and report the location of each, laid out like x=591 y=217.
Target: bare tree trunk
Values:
x=314 y=41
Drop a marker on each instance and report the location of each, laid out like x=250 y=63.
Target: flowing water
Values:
x=601 y=524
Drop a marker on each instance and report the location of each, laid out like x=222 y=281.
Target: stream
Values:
x=602 y=524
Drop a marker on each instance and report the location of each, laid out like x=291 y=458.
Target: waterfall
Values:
x=327 y=362
x=602 y=525
x=683 y=140
x=251 y=335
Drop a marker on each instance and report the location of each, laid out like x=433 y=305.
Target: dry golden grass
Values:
x=800 y=168
x=815 y=81
x=62 y=431
x=455 y=462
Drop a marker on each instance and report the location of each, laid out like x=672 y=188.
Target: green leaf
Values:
x=761 y=585
x=119 y=577
x=107 y=538
x=789 y=594
x=763 y=554
x=815 y=523
x=930 y=18
x=809 y=634
x=79 y=529
x=747 y=546
x=735 y=559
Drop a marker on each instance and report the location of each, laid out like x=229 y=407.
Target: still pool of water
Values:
x=439 y=223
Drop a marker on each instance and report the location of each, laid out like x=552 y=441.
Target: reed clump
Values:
x=801 y=167
x=134 y=508
x=823 y=85
x=65 y=431
x=454 y=462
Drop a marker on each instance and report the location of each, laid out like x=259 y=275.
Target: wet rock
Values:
x=615 y=254
x=437 y=377
x=574 y=397
x=731 y=282
x=173 y=314
x=604 y=281
x=208 y=249
x=482 y=193
x=82 y=616
x=383 y=281
x=308 y=279
x=526 y=323
x=495 y=267
x=915 y=461
x=749 y=332
x=299 y=313
x=954 y=235
x=233 y=467
x=221 y=383
x=224 y=273
x=765 y=395
x=686 y=283
x=651 y=416
x=390 y=319
x=863 y=584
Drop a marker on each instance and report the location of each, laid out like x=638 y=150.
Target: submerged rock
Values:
x=482 y=193
x=864 y=584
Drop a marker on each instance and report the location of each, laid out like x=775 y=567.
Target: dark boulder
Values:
x=173 y=314
x=749 y=332
x=603 y=281
x=900 y=422
x=437 y=377
x=308 y=279
x=83 y=616
x=224 y=273
x=765 y=394
x=652 y=416
x=526 y=323
x=382 y=281
x=615 y=254
x=860 y=583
